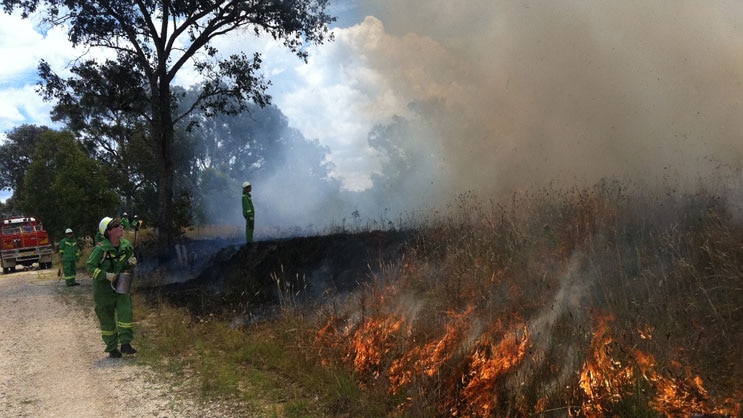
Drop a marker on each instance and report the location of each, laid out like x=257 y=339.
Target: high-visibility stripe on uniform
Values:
x=108 y=333
x=125 y=324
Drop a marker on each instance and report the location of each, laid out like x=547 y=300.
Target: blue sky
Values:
x=532 y=91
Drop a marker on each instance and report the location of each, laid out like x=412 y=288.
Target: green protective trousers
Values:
x=114 y=311
x=69 y=268
x=249 y=225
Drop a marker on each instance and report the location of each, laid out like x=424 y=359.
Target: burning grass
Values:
x=597 y=303
x=594 y=302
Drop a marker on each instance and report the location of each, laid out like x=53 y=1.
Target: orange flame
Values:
x=369 y=342
x=476 y=382
x=603 y=378
x=485 y=370
x=681 y=396
x=427 y=359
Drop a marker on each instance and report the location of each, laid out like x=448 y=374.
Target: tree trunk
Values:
x=163 y=134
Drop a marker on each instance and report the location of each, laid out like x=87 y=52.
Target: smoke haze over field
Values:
x=523 y=92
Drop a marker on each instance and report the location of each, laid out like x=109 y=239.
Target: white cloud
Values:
x=23 y=43
x=22 y=105
x=18 y=42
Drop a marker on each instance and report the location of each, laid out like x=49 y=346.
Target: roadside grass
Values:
x=610 y=300
x=265 y=368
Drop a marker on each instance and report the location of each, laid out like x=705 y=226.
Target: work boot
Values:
x=127 y=348
x=114 y=353
x=72 y=283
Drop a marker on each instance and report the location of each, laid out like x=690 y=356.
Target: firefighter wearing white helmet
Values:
x=248 y=211
x=70 y=252
x=101 y=229
x=112 y=256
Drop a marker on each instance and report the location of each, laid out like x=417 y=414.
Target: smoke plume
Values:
x=528 y=92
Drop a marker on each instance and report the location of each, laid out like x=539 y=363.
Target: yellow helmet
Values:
x=103 y=224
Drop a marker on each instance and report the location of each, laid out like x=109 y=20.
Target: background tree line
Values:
x=74 y=176
x=70 y=180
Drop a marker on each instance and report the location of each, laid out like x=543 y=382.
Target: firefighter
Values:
x=248 y=211
x=125 y=221
x=70 y=252
x=114 y=310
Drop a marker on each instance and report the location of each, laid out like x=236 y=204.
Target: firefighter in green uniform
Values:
x=114 y=310
x=68 y=249
x=248 y=211
x=125 y=221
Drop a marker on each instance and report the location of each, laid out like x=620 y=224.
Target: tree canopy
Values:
x=153 y=41
x=16 y=154
x=65 y=187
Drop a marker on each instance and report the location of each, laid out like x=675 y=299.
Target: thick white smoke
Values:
x=531 y=92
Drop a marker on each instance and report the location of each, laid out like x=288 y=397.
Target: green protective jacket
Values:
x=106 y=258
x=69 y=250
x=125 y=223
x=248 y=210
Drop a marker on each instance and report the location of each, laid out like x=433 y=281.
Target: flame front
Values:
x=485 y=369
x=679 y=396
x=603 y=378
x=427 y=359
x=475 y=373
x=369 y=343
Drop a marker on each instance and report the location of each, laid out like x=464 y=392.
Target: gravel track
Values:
x=52 y=362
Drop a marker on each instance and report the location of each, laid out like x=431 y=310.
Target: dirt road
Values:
x=52 y=362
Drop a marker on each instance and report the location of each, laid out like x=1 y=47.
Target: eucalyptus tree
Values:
x=16 y=154
x=65 y=187
x=154 y=40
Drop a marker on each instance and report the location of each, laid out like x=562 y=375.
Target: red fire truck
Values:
x=24 y=242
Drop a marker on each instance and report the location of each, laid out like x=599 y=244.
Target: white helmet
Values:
x=103 y=224
x=246 y=184
x=68 y=231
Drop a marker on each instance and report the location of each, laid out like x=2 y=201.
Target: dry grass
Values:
x=588 y=302
x=605 y=301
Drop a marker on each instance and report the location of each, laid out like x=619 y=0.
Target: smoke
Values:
x=533 y=92
x=568 y=301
